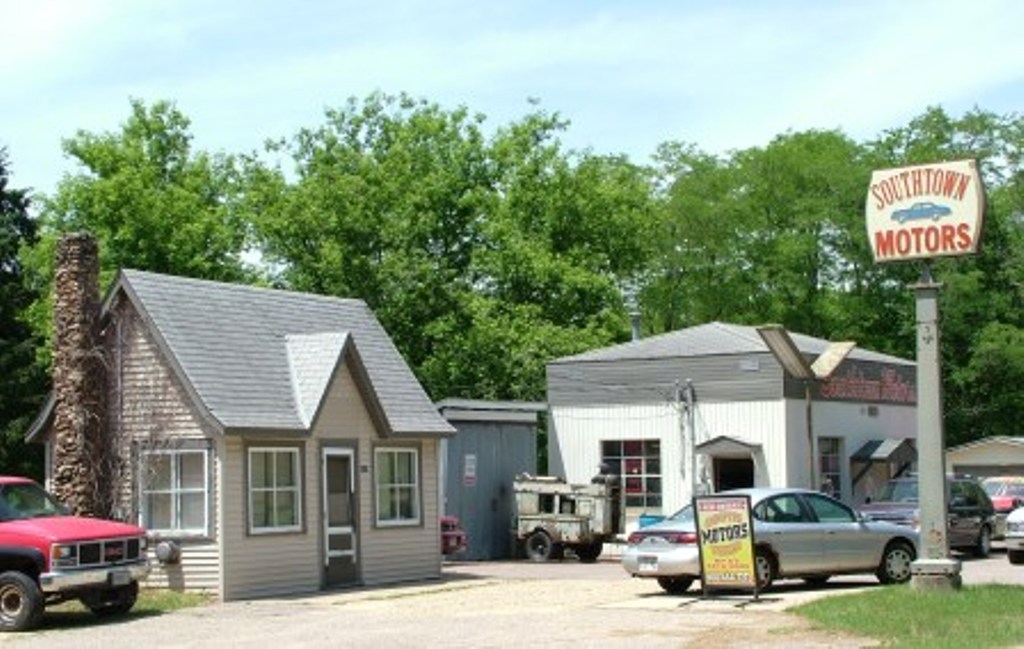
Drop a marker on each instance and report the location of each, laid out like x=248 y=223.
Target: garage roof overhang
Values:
x=725 y=446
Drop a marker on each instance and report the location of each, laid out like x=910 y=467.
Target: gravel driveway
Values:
x=491 y=604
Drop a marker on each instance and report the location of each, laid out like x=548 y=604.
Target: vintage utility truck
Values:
x=552 y=515
x=47 y=557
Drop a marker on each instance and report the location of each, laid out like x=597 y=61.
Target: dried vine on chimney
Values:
x=79 y=379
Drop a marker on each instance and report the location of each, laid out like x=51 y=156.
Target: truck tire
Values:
x=589 y=552
x=112 y=602
x=539 y=546
x=21 y=602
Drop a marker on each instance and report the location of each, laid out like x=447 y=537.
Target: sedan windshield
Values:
x=1001 y=488
x=899 y=491
x=683 y=515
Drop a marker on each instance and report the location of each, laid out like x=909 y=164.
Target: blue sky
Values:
x=629 y=75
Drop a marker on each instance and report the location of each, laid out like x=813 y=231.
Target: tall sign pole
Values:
x=919 y=213
x=934 y=569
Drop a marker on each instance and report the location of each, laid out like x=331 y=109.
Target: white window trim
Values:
x=297 y=527
x=417 y=493
x=837 y=487
x=174 y=491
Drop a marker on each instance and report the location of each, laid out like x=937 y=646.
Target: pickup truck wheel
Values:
x=112 y=602
x=539 y=546
x=589 y=552
x=21 y=602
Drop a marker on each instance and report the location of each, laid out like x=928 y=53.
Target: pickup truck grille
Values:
x=107 y=552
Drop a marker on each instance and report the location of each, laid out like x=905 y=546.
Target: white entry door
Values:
x=340 y=516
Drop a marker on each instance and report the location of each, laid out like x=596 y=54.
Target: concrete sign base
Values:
x=935 y=574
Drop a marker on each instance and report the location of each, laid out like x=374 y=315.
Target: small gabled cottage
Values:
x=276 y=442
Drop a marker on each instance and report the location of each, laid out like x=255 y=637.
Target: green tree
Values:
x=151 y=201
x=771 y=234
x=386 y=207
x=454 y=239
x=22 y=381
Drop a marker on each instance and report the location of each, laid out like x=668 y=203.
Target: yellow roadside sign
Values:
x=725 y=536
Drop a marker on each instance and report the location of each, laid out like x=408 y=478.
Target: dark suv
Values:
x=971 y=514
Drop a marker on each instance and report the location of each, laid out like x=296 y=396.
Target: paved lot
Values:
x=491 y=604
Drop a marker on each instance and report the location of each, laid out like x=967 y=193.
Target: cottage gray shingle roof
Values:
x=712 y=339
x=242 y=348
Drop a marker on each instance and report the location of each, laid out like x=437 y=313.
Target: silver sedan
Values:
x=798 y=533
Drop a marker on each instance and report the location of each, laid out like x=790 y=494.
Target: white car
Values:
x=798 y=533
x=1015 y=536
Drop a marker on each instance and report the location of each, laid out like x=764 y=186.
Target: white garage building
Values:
x=990 y=456
x=629 y=406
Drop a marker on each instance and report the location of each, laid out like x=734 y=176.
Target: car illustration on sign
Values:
x=918 y=211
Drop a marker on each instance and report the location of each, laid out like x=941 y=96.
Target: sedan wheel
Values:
x=764 y=567
x=984 y=546
x=675 y=585
x=895 y=565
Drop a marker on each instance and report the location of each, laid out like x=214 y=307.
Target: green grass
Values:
x=159 y=600
x=899 y=616
x=152 y=601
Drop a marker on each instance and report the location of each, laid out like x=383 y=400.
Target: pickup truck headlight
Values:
x=64 y=556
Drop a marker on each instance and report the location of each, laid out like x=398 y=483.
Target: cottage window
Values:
x=398 y=490
x=274 y=502
x=174 y=492
x=638 y=462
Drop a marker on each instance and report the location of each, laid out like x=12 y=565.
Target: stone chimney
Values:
x=79 y=378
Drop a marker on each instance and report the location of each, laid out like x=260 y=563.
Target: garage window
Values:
x=638 y=462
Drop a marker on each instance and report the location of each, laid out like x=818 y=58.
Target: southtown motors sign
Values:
x=932 y=210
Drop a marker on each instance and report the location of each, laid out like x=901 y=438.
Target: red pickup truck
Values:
x=47 y=557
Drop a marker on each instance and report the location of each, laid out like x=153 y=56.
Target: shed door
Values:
x=340 y=515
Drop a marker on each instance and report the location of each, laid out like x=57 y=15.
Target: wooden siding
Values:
x=258 y=565
x=278 y=564
x=148 y=406
x=746 y=377
x=397 y=554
